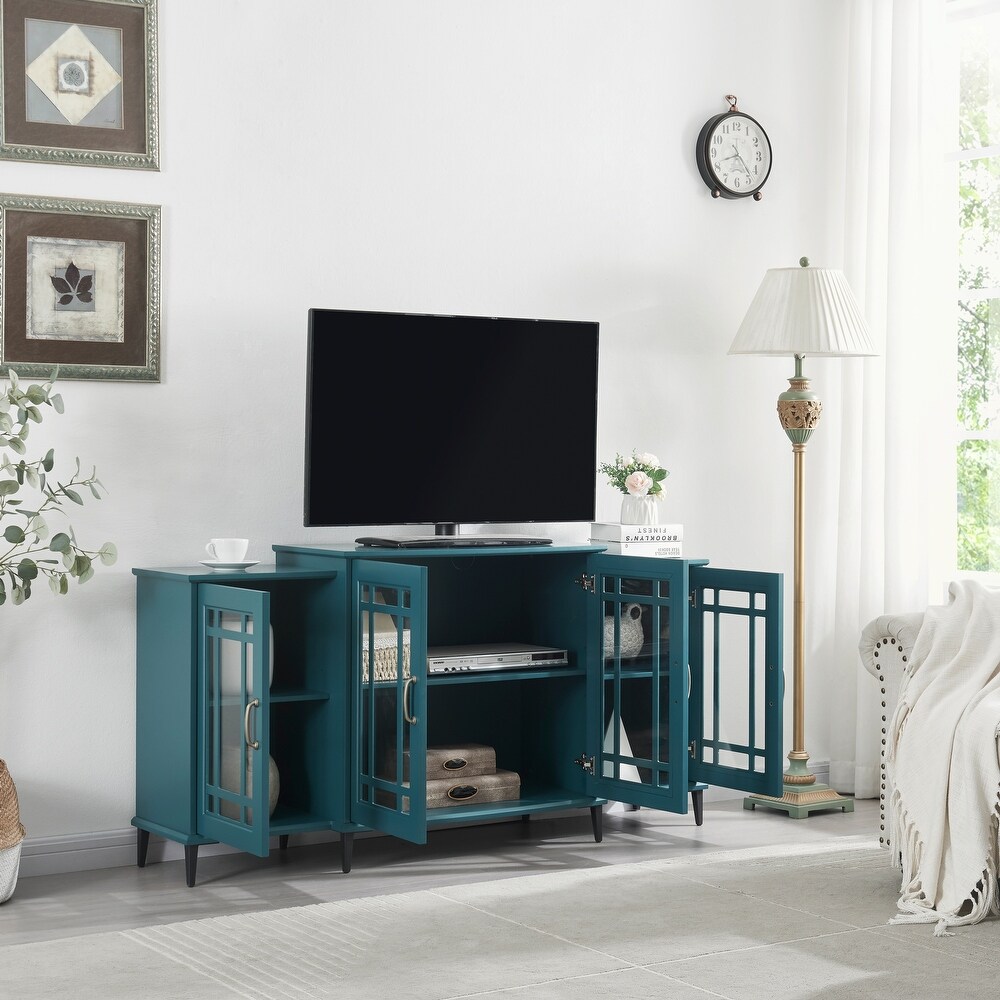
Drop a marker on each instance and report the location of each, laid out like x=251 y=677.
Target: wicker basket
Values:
x=11 y=835
x=386 y=655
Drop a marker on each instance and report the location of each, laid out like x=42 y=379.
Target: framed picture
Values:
x=79 y=288
x=78 y=82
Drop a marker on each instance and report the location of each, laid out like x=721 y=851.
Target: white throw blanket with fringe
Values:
x=942 y=758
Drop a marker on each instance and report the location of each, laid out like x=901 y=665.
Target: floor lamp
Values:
x=799 y=311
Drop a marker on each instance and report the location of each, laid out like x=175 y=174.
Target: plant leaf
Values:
x=27 y=570
x=108 y=553
x=49 y=460
x=57 y=403
x=65 y=300
x=84 y=296
x=84 y=285
x=61 y=285
x=73 y=495
x=13 y=534
x=60 y=542
x=73 y=275
x=54 y=584
x=8 y=486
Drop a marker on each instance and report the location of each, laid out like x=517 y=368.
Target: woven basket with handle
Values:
x=11 y=831
x=11 y=835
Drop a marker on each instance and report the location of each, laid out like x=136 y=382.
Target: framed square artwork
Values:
x=79 y=288
x=79 y=83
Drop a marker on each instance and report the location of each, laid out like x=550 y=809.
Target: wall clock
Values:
x=734 y=154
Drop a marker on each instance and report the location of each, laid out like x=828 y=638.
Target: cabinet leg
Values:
x=698 y=802
x=141 y=846
x=346 y=851
x=190 y=863
x=597 y=822
x=283 y=842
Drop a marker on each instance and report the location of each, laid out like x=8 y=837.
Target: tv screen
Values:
x=448 y=420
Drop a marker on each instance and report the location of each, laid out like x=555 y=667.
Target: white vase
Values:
x=640 y=510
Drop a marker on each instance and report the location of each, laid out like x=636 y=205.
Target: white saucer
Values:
x=228 y=567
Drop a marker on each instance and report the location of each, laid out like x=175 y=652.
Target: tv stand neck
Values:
x=446 y=528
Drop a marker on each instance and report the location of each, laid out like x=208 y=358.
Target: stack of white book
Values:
x=663 y=541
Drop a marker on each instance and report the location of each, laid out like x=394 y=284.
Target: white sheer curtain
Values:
x=889 y=487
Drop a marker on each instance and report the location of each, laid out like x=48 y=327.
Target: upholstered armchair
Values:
x=885 y=647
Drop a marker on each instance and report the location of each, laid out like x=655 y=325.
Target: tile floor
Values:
x=56 y=906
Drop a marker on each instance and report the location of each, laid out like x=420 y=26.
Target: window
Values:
x=976 y=36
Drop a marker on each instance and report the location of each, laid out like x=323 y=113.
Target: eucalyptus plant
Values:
x=30 y=495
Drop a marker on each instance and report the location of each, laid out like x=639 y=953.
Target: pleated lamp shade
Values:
x=803 y=310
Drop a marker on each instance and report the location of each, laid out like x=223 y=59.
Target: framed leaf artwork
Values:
x=79 y=288
x=79 y=82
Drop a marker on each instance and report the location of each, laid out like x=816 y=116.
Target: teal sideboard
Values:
x=350 y=709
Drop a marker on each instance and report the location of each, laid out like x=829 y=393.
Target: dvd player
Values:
x=498 y=656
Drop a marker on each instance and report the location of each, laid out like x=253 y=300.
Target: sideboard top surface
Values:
x=348 y=550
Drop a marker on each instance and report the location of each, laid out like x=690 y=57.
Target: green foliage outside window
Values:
x=978 y=403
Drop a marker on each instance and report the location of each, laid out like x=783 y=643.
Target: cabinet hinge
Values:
x=586 y=762
x=693 y=749
x=693 y=598
x=587 y=582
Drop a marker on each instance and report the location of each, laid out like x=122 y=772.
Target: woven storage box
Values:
x=455 y=763
x=385 y=655
x=473 y=789
x=11 y=835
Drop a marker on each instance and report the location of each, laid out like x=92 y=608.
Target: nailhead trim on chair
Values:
x=881 y=798
x=878 y=645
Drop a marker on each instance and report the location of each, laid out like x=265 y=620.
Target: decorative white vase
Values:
x=640 y=510
x=630 y=633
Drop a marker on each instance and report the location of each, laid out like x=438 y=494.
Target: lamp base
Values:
x=801 y=800
x=801 y=793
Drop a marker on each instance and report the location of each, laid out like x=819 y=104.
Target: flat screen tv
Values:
x=449 y=420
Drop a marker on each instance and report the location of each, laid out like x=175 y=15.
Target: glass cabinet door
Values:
x=389 y=613
x=234 y=713
x=737 y=686
x=637 y=700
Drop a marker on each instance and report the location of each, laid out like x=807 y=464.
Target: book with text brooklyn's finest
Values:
x=614 y=532
x=659 y=550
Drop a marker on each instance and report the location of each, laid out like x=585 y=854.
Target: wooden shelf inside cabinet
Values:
x=486 y=676
x=288 y=819
x=532 y=800
x=284 y=695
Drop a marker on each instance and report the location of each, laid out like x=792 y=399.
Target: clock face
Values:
x=738 y=155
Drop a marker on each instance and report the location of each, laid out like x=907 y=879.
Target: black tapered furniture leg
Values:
x=698 y=802
x=346 y=851
x=283 y=842
x=190 y=863
x=141 y=846
x=597 y=822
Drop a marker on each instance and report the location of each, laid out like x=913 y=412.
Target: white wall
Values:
x=529 y=158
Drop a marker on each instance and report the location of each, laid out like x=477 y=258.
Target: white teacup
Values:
x=227 y=549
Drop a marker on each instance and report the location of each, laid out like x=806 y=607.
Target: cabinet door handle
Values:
x=250 y=741
x=408 y=715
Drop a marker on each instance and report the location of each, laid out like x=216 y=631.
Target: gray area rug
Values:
x=774 y=923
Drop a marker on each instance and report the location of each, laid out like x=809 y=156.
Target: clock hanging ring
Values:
x=734 y=154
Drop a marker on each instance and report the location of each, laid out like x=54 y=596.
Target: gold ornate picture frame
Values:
x=79 y=288
x=79 y=82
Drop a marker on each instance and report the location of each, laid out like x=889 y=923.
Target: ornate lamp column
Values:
x=801 y=311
